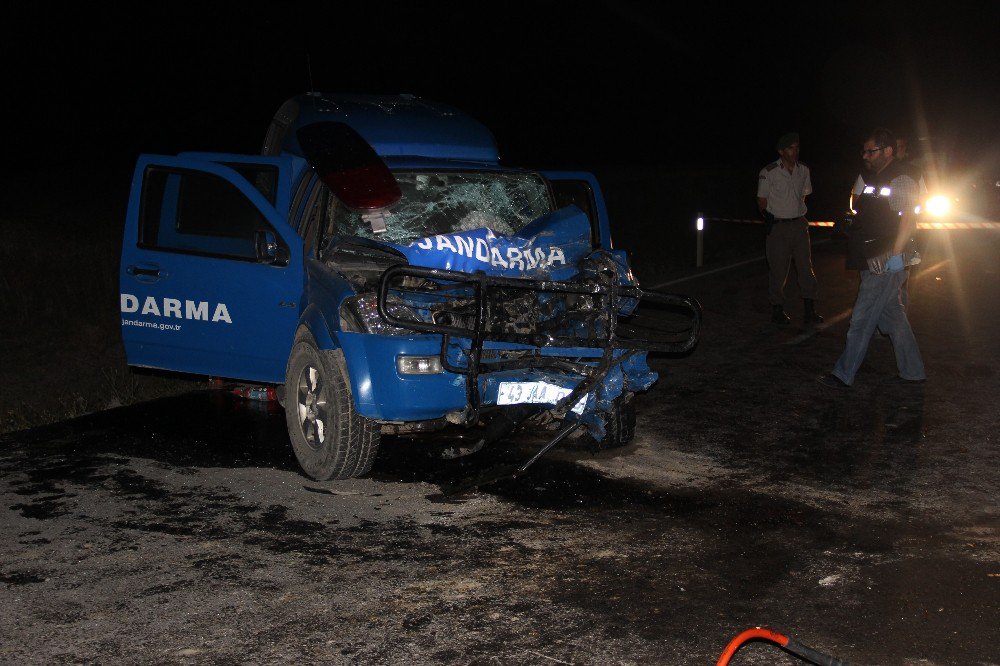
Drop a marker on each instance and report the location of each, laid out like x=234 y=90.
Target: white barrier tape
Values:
x=934 y=226
x=958 y=225
x=742 y=221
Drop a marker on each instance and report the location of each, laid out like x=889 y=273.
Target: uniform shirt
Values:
x=784 y=190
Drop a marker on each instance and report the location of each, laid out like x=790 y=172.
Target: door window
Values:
x=198 y=213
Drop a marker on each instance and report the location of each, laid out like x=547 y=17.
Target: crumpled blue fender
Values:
x=632 y=374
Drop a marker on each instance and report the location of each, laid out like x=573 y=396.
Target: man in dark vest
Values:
x=887 y=199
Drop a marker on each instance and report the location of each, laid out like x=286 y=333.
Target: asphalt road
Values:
x=863 y=523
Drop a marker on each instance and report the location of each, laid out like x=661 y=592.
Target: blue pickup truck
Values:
x=380 y=266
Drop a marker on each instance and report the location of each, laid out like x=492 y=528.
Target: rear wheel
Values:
x=330 y=439
x=619 y=426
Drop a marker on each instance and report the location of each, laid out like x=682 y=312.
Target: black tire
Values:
x=619 y=427
x=330 y=439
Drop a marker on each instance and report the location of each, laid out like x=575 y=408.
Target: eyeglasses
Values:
x=871 y=151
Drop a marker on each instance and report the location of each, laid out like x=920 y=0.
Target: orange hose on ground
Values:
x=748 y=635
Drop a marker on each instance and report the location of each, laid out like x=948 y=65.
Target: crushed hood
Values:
x=550 y=247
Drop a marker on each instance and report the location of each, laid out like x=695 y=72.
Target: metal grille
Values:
x=590 y=313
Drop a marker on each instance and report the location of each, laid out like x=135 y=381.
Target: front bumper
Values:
x=584 y=335
x=380 y=392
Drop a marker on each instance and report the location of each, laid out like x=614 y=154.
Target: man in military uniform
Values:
x=887 y=199
x=782 y=188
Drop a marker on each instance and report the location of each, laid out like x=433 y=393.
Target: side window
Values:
x=283 y=119
x=198 y=213
x=313 y=216
x=578 y=193
x=336 y=217
x=296 y=217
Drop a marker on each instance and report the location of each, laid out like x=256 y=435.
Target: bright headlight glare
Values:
x=938 y=206
x=419 y=365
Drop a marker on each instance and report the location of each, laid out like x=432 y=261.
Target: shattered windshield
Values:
x=446 y=202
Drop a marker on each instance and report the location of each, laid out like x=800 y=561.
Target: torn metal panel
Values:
x=551 y=246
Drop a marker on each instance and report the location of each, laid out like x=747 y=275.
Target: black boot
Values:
x=810 y=312
x=778 y=316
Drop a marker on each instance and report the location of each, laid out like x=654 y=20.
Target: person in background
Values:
x=782 y=188
x=902 y=148
x=887 y=198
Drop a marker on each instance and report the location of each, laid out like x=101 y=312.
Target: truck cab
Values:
x=380 y=265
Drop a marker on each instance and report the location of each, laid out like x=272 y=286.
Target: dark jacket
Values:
x=876 y=225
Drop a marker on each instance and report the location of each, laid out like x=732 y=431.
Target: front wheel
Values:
x=619 y=426
x=330 y=439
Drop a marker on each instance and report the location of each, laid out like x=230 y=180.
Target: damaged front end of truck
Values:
x=573 y=324
x=534 y=321
x=497 y=291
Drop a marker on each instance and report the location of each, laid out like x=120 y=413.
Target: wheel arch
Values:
x=314 y=320
x=314 y=324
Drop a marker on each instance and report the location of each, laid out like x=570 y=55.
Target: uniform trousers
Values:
x=789 y=241
x=881 y=304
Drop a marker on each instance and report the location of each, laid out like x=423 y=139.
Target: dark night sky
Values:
x=569 y=85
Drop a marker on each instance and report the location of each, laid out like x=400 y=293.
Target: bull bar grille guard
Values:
x=480 y=299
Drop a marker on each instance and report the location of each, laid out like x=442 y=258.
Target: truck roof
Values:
x=394 y=125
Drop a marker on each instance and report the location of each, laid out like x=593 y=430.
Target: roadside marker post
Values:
x=700 y=226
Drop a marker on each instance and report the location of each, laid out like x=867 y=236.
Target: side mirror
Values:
x=269 y=251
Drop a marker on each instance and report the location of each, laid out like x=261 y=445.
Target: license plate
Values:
x=519 y=393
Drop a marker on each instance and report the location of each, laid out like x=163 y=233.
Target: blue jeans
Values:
x=881 y=304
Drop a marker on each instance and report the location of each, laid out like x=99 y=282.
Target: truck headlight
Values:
x=359 y=314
